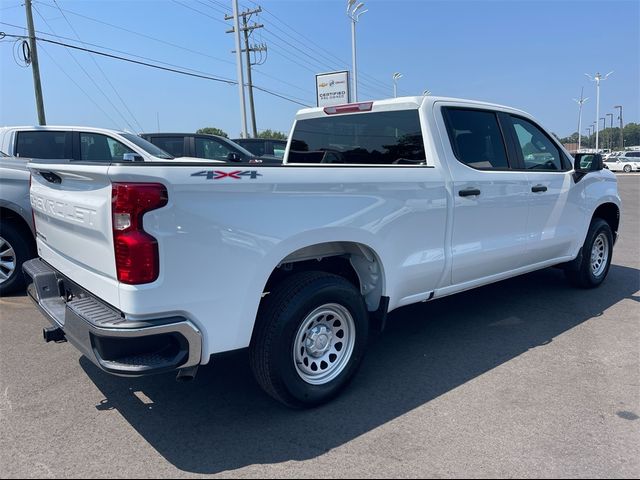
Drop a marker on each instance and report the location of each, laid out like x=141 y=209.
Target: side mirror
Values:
x=585 y=163
x=132 y=157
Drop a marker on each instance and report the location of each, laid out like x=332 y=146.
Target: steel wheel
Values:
x=599 y=255
x=324 y=344
x=7 y=260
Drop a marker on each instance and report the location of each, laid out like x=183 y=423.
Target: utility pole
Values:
x=35 y=66
x=243 y=111
x=247 y=29
x=619 y=107
x=580 y=102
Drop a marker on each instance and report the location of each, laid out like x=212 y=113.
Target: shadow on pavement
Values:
x=222 y=421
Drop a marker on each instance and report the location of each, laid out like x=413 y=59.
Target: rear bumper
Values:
x=102 y=334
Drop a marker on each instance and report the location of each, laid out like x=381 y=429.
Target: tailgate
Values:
x=72 y=212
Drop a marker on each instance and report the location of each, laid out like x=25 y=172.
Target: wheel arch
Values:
x=610 y=213
x=9 y=215
x=357 y=262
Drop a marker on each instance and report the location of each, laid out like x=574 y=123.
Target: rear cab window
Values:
x=372 y=138
x=45 y=144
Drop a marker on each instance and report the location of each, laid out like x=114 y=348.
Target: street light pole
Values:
x=597 y=78
x=396 y=76
x=354 y=13
x=619 y=107
x=580 y=102
x=611 y=131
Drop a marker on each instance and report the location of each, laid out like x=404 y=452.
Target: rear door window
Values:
x=476 y=138
x=379 y=138
x=43 y=144
x=95 y=147
x=172 y=145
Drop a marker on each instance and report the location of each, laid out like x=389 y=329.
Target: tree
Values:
x=212 y=131
x=272 y=134
x=631 y=133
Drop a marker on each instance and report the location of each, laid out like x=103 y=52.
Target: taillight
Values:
x=136 y=252
x=349 y=108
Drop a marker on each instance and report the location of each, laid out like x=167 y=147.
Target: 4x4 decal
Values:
x=219 y=174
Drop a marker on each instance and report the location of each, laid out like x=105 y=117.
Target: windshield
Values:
x=148 y=147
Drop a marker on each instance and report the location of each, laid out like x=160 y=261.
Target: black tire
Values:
x=580 y=272
x=279 y=321
x=627 y=168
x=20 y=241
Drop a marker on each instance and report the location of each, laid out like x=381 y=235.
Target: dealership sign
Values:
x=332 y=88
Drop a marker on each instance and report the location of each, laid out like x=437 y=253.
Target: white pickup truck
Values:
x=152 y=267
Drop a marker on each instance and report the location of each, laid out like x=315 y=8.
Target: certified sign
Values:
x=332 y=88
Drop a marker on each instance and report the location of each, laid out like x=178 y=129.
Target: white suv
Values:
x=82 y=144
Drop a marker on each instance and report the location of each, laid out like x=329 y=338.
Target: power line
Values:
x=199 y=11
x=303 y=56
x=149 y=37
x=179 y=70
x=105 y=76
x=113 y=122
x=89 y=76
x=321 y=48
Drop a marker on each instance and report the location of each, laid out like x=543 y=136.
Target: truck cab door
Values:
x=555 y=217
x=490 y=197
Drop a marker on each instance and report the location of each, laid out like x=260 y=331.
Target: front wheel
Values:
x=310 y=338
x=627 y=168
x=592 y=267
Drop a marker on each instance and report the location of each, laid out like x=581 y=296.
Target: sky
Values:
x=530 y=55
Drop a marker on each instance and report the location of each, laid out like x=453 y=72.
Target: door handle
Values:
x=538 y=188
x=468 y=192
x=51 y=177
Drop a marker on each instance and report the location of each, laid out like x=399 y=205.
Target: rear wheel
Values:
x=310 y=338
x=593 y=266
x=14 y=251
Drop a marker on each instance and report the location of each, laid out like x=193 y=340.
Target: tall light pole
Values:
x=354 y=12
x=597 y=78
x=619 y=107
x=396 y=76
x=611 y=131
x=588 y=130
x=580 y=102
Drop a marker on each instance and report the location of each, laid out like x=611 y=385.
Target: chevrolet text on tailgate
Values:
x=155 y=267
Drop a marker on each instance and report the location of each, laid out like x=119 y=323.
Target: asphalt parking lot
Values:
x=525 y=378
